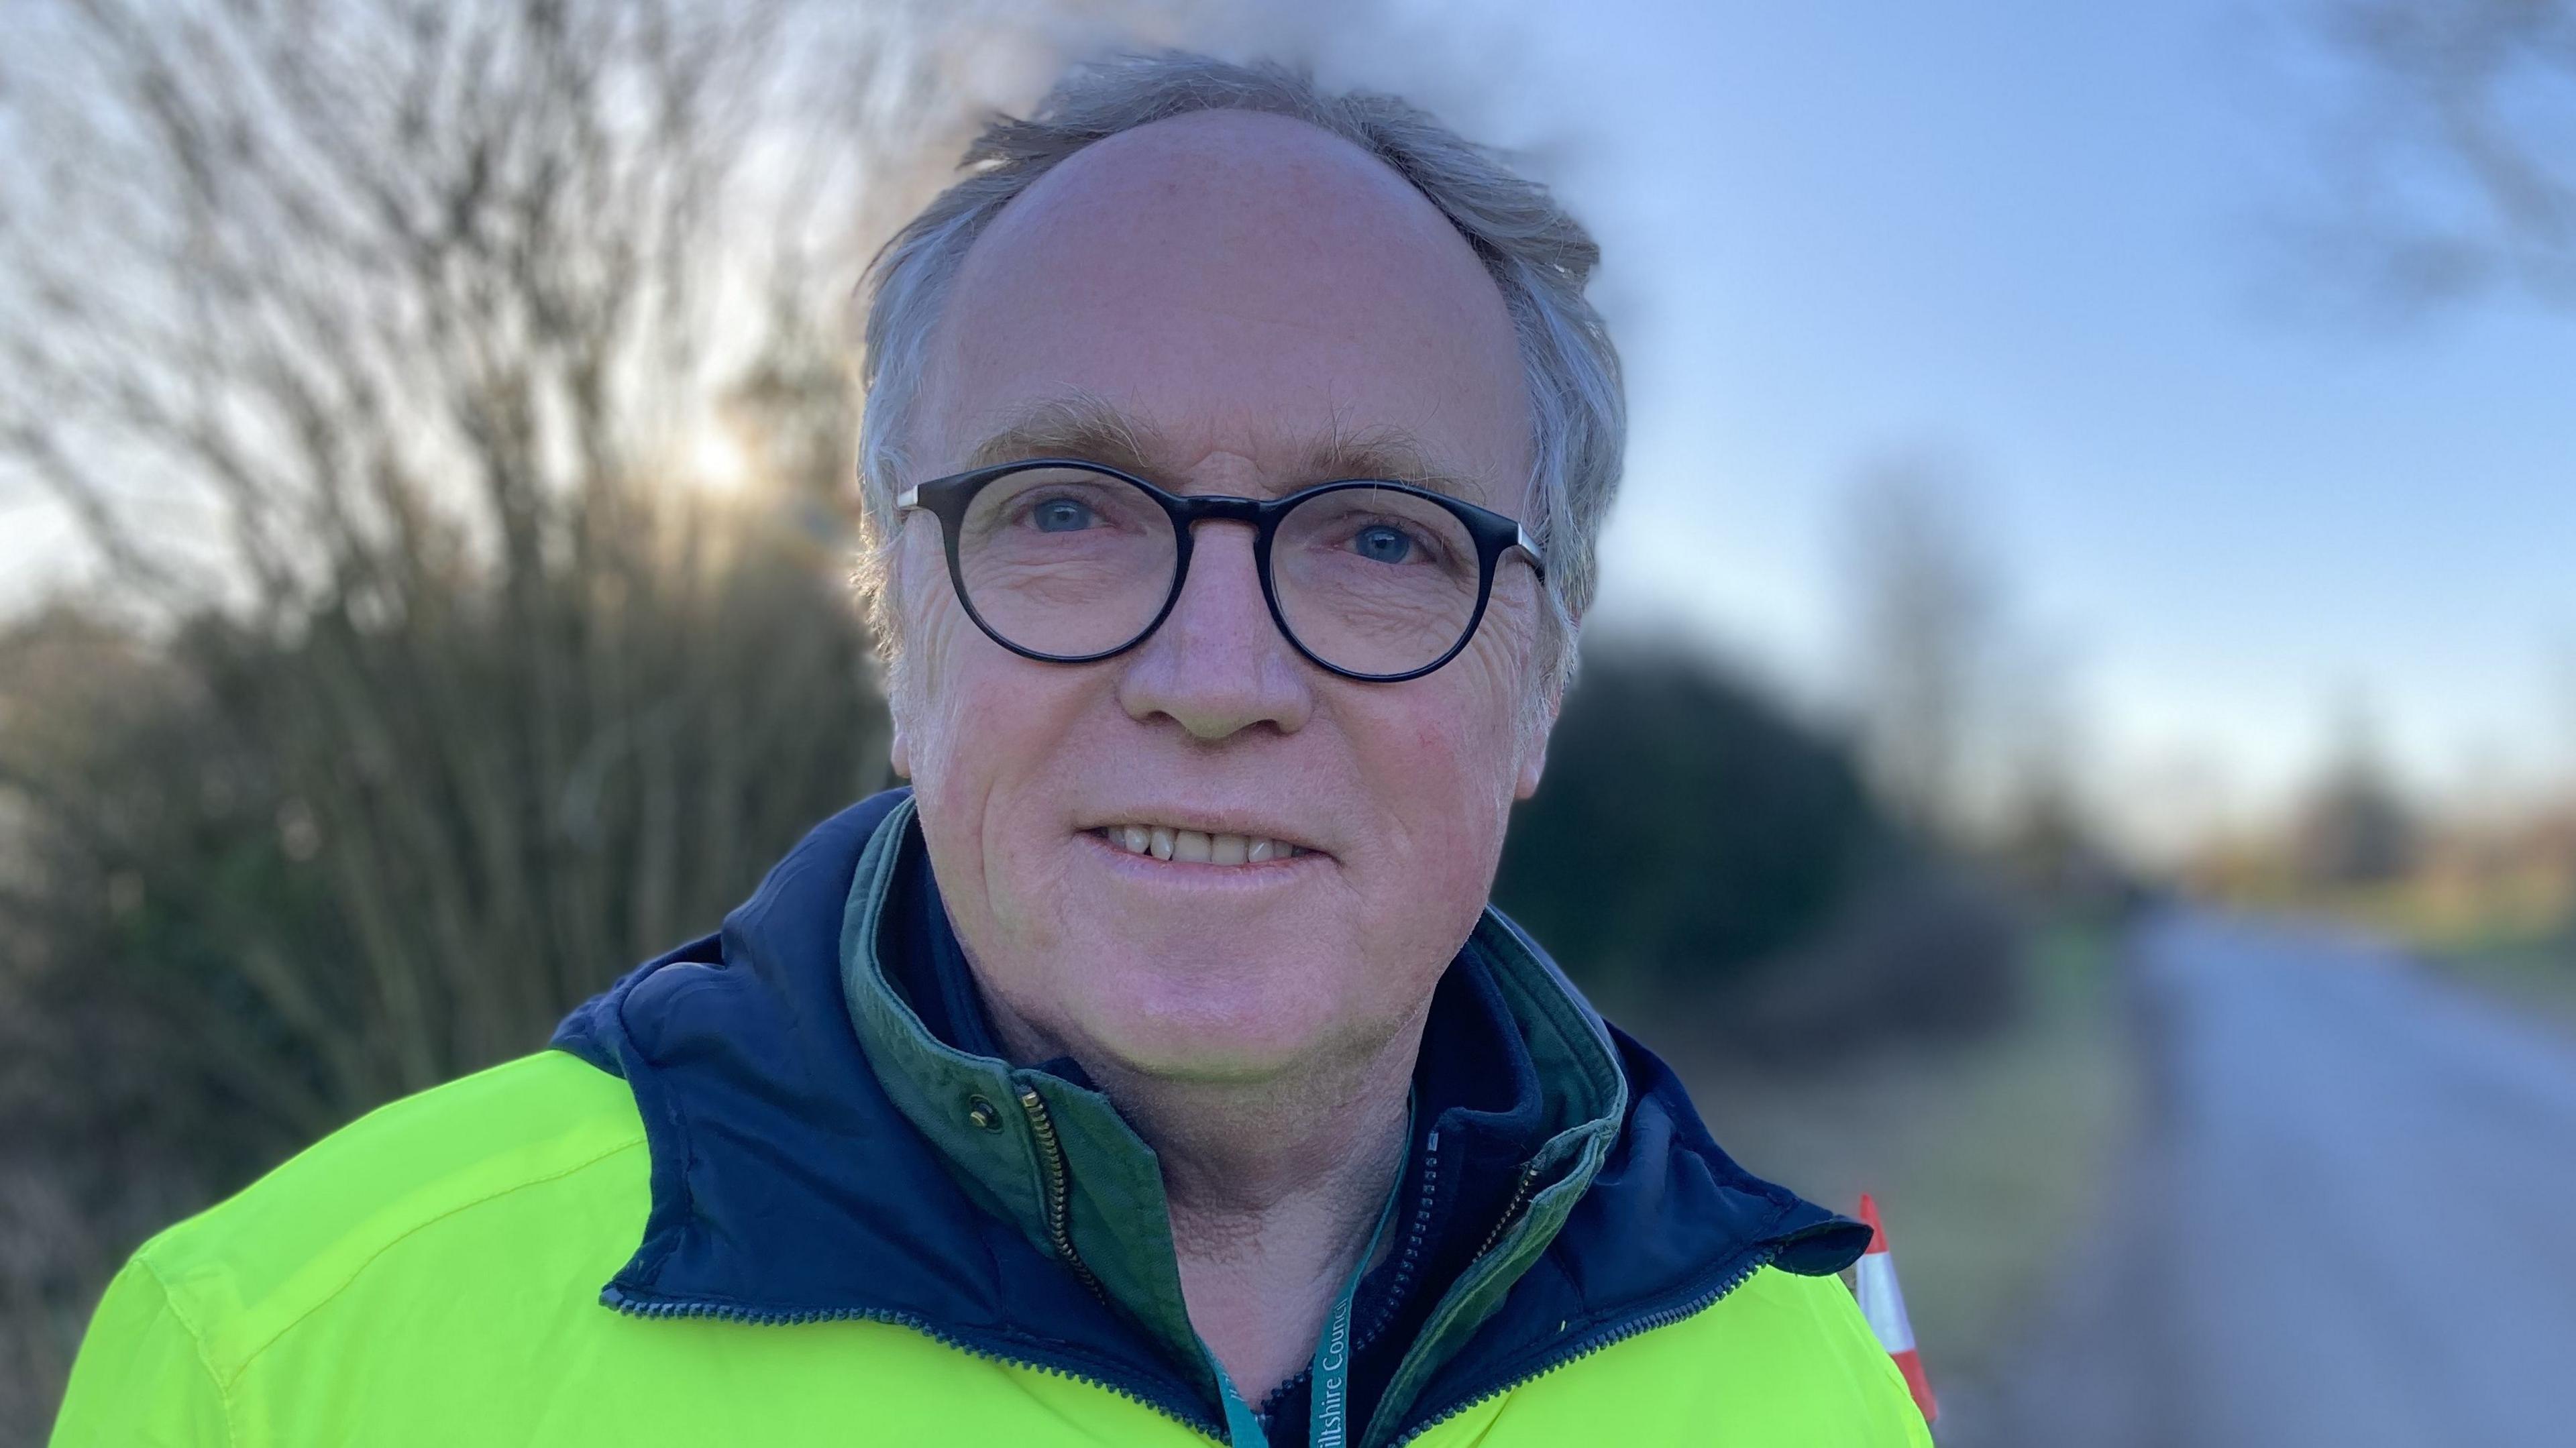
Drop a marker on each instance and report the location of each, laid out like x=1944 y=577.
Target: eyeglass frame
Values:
x=948 y=498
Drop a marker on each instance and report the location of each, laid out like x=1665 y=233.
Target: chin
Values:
x=1225 y=1025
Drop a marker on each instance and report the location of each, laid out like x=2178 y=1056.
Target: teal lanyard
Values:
x=1328 y=1424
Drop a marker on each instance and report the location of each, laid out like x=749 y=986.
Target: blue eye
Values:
x=1061 y=515
x=1380 y=543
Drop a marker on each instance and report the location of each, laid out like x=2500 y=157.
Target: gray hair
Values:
x=1540 y=257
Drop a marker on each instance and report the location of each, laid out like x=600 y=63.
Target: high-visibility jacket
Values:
x=775 y=1188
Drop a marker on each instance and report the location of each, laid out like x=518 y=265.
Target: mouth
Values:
x=1185 y=846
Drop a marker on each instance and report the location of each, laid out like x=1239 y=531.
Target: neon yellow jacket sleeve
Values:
x=140 y=1379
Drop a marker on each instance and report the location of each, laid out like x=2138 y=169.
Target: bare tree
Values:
x=2456 y=172
x=1925 y=619
x=365 y=340
x=2565 y=764
x=2565 y=680
x=2356 y=827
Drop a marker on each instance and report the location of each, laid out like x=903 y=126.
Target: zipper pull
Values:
x=1520 y=1195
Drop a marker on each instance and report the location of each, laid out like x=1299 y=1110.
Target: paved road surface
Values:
x=2351 y=1221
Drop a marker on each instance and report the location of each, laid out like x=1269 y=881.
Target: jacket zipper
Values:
x=1610 y=1336
x=1410 y=1260
x=770 y=1317
x=1511 y=1210
x=1059 y=1202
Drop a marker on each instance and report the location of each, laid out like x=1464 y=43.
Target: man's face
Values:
x=1256 y=302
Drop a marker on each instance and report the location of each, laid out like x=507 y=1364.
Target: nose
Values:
x=1218 y=665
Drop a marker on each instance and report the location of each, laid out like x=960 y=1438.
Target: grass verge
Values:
x=2535 y=975
x=1987 y=1158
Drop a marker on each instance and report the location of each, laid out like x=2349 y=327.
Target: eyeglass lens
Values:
x=1072 y=563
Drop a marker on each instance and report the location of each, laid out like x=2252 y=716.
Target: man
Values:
x=1152 y=1071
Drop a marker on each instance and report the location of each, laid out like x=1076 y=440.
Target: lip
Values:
x=1208 y=823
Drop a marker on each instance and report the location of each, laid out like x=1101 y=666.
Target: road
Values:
x=2350 y=1220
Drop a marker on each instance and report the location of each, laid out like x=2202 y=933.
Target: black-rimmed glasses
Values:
x=1070 y=562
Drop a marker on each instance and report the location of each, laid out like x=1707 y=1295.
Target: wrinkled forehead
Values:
x=1252 y=297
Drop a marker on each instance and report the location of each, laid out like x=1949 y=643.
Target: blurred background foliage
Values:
x=453 y=395
x=1697 y=851
x=1683 y=819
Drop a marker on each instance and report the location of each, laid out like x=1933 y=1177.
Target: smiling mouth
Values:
x=1197 y=847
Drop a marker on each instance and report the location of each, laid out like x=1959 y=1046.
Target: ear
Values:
x=890 y=678
x=1533 y=760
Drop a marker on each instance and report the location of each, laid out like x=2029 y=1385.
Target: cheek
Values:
x=962 y=701
x=1469 y=728
x=976 y=719
x=929 y=621
x=988 y=788
x=1440 y=759
x=1454 y=793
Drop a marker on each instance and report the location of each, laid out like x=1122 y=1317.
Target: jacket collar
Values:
x=1035 y=1146
x=1009 y=1135
x=818 y=1151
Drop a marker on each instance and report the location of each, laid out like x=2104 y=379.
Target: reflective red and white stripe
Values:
x=1883 y=1303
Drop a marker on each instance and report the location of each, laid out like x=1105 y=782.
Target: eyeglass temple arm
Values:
x=1529 y=546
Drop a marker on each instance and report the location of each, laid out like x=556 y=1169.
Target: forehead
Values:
x=1241 y=287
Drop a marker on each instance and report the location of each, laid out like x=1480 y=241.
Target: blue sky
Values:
x=2049 y=242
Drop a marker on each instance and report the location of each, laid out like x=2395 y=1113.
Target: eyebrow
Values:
x=1088 y=428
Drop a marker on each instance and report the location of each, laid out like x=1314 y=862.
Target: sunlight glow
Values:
x=718 y=461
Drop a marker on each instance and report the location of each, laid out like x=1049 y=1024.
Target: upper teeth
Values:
x=1197 y=847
